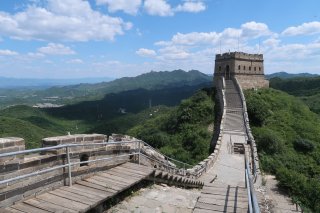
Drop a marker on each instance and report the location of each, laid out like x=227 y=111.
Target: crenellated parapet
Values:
x=247 y=68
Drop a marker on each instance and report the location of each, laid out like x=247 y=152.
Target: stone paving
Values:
x=158 y=199
x=229 y=167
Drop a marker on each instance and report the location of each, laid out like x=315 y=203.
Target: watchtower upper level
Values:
x=247 y=68
x=238 y=63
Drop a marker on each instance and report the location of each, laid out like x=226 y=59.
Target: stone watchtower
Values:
x=246 y=68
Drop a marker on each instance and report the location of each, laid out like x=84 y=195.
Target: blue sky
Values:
x=116 y=38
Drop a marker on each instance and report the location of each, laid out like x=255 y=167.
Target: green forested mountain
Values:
x=148 y=81
x=288 y=140
x=84 y=92
x=307 y=89
x=181 y=132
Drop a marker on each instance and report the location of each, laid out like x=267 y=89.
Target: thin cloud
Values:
x=56 y=49
x=8 y=53
x=131 y=7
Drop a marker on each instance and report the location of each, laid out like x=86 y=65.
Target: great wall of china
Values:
x=78 y=173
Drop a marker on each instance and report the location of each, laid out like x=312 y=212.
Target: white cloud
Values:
x=253 y=29
x=158 y=7
x=229 y=37
x=75 y=61
x=309 y=28
x=66 y=20
x=130 y=7
x=191 y=6
x=8 y=53
x=195 y=38
x=146 y=52
x=56 y=49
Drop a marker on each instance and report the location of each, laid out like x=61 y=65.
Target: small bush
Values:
x=303 y=145
x=269 y=142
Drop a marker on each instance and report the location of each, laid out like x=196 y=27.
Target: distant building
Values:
x=247 y=68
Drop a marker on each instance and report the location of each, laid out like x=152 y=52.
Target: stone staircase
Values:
x=234 y=121
x=219 y=197
x=234 y=115
x=233 y=98
x=177 y=180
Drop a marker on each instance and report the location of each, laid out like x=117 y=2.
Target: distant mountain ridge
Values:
x=289 y=75
x=84 y=92
x=9 y=83
x=150 y=80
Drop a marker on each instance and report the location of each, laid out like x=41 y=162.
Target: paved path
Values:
x=85 y=194
x=224 y=189
x=158 y=199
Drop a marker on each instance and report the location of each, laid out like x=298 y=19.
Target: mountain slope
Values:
x=287 y=134
x=307 y=89
x=181 y=132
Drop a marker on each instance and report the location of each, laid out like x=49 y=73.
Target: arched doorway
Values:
x=228 y=77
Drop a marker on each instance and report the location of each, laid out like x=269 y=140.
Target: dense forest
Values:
x=288 y=139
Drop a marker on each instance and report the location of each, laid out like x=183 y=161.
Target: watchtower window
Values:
x=259 y=68
x=84 y=157
x=219 y=68
x=244 y=67
x=255 y=69
x=249 y=68
x=239 y=67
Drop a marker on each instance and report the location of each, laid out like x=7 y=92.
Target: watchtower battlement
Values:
x=247 y=68
x=239 y=56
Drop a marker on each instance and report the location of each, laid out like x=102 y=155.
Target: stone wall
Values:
x=253 y=147
x=203 y=166
x=14 y=166
x=252 y=81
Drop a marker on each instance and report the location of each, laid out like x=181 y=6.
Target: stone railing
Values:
x=254 y=153
x=203 y=166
